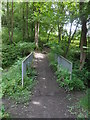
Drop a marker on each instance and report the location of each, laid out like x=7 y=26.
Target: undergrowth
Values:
x=82 y=106
x=3 y=113
x=63 y=77
x=77 y=83
x=10 y=53
x=12 y=87
x=84 y=102
x=11 y=83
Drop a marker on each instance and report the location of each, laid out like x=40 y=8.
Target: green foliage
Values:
x=53 y=63
x=79 y=78
x=64 y=80
x=83 y=106
x=49 y=15
x=3 y=114
x=83 y=75
x=84 y=102
x=63 y=77
x=56 y=48
x=77 y=83
x=11 y=83
x=11 y=53
x=41 y=44
x=5 y=35
x=26 y=47
x=74 y=56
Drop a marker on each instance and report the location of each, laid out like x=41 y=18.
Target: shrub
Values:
x=11 y=83
x=79 y=78
x=64 y=80
x=10 y=53
x=77 y=83
x=83 y=74
x=56 y=48
x=53 y=63
x=84 y=102
x=17 y=36
x=3 y=114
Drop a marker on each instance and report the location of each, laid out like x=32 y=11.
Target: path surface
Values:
x=48 y=100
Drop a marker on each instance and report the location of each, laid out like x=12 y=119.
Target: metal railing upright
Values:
x=26 y=64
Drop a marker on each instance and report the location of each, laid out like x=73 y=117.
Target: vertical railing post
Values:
x=22 y=73
x=71 y=72
x=25 y=65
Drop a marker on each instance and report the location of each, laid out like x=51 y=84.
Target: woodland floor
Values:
x=48 y=100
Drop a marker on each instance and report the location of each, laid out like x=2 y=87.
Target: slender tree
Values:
x=27 y=32
x=36 y=35
x=23 y=22
x=83 y=41
x=8 y=20
x=59 y=33
x=12 y=24
x=49 y=34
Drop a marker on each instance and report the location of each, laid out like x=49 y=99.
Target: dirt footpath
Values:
x=48 y=100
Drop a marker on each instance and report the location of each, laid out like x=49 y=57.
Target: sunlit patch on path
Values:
x=39 y=55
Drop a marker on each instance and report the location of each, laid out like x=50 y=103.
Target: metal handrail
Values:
x=65 y=63
x=26 y=63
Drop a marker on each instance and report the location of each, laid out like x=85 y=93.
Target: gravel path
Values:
x=48 y=100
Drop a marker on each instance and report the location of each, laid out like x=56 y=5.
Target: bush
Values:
x=83 y=75
x=83 y=106
x=56 y=48
x=3 y=114
x=11 y=83
x=84 y=102
x=10 y=53
x=17 y=36
x=64 y=80
x=77 y=83
x=79 y=78
x=26 y=48
x=53 y=63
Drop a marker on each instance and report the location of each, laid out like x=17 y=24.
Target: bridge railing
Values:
x=26 y=65
x=64 y=63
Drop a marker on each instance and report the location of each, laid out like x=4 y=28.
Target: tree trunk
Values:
x=38 y=28
x=27 y=32
x=32 y=32
x=70 y=38
x=8 y=20
x=83 y=42
x=23 y=23
x=12 y=24
x=36 y=35
x=32 y=27
x=59 y=34
x=38 y=31
x=49 y=34
x=69 y=41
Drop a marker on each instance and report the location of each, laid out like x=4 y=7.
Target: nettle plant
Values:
x=11 y=82
x=63 y=78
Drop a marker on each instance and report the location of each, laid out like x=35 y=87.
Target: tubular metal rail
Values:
x=26 y=64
